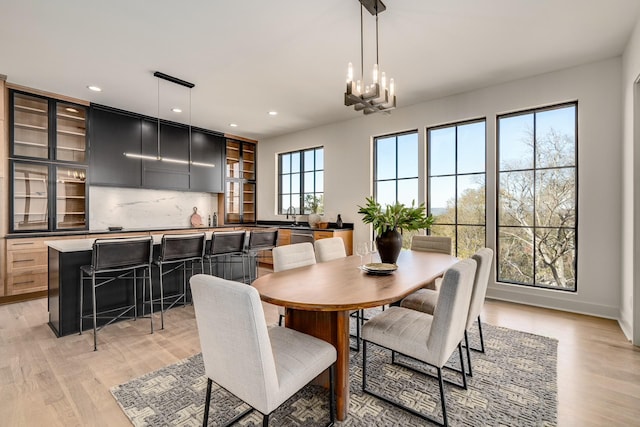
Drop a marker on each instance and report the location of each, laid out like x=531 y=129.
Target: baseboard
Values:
x=550 y=301
x=627 y=330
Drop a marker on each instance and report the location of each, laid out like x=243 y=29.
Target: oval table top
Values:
x=341 y=285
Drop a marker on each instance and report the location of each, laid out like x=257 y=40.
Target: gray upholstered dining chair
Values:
x=440 y=244
x=425 y=300
x=292 y=256
x=262 y=366
x=329 y=249
x=421 y=336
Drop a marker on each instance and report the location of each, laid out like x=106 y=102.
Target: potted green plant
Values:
x=313 y=205
x=388 y=223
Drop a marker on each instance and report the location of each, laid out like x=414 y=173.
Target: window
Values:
x=300 y=180
x=456 y=189
x=395 y=175
x=537 y=197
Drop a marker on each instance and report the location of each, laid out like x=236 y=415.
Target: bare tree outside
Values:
x=537 y=198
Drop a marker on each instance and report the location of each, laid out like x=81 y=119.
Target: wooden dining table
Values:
x=319 y=298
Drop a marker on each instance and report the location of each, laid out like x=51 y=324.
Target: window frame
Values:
x=534 y=169
x=302 y=210
x=428 y=177
x=375 y=181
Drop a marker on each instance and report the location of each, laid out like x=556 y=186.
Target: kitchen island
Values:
x=65 y=259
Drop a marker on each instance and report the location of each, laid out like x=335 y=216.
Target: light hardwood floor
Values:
x=62 y=382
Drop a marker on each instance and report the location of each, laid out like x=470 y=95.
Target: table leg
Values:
x=333 y=327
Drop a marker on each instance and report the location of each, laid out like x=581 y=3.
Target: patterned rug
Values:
x=514 y=384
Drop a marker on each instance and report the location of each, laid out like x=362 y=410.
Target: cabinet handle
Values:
x=23 y=244
x=24 y=283
x=23 y=260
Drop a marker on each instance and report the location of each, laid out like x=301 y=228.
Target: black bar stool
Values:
x=176 y=250
x=224 y=245
x=111 y=260
x=259 y=240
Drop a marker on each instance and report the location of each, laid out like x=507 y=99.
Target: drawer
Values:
x=25 y=283
x=26 y=244
x=322 y=235
x=20 y=260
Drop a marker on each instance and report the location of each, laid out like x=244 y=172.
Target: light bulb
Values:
x=392 y=88
x=375 y=73
x=349 y=72
x=358 y=87
x=383 y=80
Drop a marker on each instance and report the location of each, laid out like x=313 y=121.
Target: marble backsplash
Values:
x=142 y=208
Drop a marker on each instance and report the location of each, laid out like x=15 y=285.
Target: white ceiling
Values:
x=247 y=57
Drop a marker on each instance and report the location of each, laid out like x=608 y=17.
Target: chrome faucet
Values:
x=291 y=210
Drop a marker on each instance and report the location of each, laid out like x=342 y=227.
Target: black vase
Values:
x=389 y=246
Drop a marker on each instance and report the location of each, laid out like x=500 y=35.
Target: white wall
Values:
x=137 y=208
x=596 y=86
x=630 y=290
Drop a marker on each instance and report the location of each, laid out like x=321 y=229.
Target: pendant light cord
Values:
x=158 y=149
x=377 y=60
x=361 y=45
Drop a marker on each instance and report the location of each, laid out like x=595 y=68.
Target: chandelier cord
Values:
x=361 y=45
x=377 y=59
x=158 y=115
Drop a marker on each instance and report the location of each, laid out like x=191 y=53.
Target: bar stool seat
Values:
x=176 y=250
x=224 y=245
x=113 y=260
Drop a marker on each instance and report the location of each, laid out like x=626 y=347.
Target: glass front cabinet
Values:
x=240 y=191
x=47 y=164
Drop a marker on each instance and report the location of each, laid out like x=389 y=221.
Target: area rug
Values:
x=514 y=384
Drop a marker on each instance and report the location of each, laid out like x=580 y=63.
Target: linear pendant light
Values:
x=158 y=157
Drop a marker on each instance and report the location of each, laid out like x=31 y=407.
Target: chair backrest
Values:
x=235 y=343
x=329 y=249
x=227 y=242
x=484 y=258
x=182 y=246
x=293 y=256
x=450 y=315
x=440 y=244
x=121 y=253
x=266 y=239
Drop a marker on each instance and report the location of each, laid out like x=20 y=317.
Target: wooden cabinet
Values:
x=48 y=183
x=114 y=135
x=240 y=190
x=26 y=266
x=345 y=235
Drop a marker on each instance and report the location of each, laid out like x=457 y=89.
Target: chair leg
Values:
x=466 y=344
x=265 y=420
x=81 y=298
x=332 y=394
x=95 y=316
x=462 y=369
x=442 y=398
x=207 y=402
x=161 y=298
x=280 y=319
x=151 y=297
x=481 y=337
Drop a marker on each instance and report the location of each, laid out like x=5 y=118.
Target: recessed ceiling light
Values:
x=71 y=110
x=94 y=88
x=176 y=110
x=233 y=125
x=273 y=113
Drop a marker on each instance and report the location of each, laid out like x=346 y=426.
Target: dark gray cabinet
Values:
x=207 y=154
x=171 y=159
x=172 y=172
x=114 y=133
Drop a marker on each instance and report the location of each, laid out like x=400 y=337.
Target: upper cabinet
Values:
x=207 y=167
x=47 y=129
x=48 y=152
x=128 y=151
x=114 y=134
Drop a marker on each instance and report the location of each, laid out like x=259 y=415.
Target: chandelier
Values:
x=379 y=95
